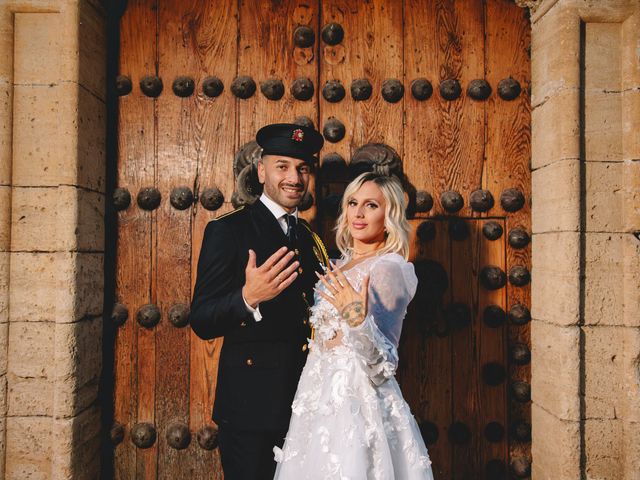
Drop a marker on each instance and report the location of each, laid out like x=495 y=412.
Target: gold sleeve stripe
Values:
x=318 y=241
x=320 y=245
x=229 y=213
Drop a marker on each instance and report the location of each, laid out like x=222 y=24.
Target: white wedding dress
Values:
x=349 y=420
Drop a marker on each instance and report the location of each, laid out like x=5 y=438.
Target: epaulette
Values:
x=319 y=250
x=230 y=213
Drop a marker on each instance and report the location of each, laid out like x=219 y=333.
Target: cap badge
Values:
x=298 y=135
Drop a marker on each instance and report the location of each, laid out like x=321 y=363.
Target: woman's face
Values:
x=365 y=214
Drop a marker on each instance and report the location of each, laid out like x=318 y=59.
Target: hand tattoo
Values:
x=353 y=313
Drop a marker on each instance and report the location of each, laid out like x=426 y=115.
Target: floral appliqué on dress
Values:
x=349 y=420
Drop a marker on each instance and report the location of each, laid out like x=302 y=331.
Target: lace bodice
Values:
x=392 y=285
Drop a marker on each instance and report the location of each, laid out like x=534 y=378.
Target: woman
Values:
x=349 y=420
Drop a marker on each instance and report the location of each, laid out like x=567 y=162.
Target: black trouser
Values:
x=248 y=455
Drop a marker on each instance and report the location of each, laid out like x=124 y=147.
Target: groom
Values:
x=254 y=287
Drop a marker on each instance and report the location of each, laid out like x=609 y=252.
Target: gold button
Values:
x=249 y=362
x=300 y=270
x=304 y=347
x=296 y=251
x=243 y=324
x=304 y=322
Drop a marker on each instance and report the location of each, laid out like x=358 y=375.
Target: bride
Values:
x=349 y=419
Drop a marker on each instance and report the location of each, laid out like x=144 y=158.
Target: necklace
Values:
x=363 y=254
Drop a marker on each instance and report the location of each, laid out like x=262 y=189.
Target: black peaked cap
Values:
x=290 y=140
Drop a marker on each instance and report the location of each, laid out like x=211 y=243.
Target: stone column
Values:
x=586 y=254
x=52 y=180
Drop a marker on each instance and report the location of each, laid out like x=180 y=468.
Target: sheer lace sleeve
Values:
x=392 y=285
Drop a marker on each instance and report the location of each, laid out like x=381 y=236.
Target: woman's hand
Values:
x=351 y=304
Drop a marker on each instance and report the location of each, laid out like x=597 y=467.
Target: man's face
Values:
x=285 y=179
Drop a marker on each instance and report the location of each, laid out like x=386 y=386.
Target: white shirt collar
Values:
x=275 y=209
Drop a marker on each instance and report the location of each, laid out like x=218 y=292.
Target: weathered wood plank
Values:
x=492 y=348
x=444 y=40
x=212 y=43
x=372 y=48
x=178 y=141
x=425 y=373
x=467 y=381
x=136 y=169
x=421 y=60
x=508 y=161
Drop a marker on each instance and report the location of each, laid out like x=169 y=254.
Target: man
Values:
x=256 y=274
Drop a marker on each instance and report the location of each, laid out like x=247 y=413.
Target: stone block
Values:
x=3 y=445
x=78 y=363
x=630 y=67
x=37 y=210
x=631 y=199
x=29 y=396
x=612 y=196
x=77 y=453
x=630 y=125
x=41 y=54
x=631 y=466
x=59 y=134
x=602 y=56
x=28 y=450
x=5 y=217
x=3 y=395
x=555 y=446
x=31 y=348
x=38 y=292
x=555 y=59
x=92 y=49
x=88 y=277
x=89 y=232
x=603 y=126
x=6 y=134
x=555 y=273
x=630 y=374
x=599 y=11
x=4 y=286
x=604 y=359
x=558 y=209
x=73 y=219
x=556 y=129
x=4 y=338
x=631 y=280
x=61 y=287
x=555 y=369
x=45 y=134
x=604 y=279
x=603 y=448
x=44 y=56
x=6 y=43
x=92 y=132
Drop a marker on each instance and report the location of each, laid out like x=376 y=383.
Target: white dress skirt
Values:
x=349 y=420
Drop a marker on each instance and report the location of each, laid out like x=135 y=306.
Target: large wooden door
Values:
x=449 y=92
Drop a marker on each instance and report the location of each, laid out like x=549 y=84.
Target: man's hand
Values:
x=269 y=279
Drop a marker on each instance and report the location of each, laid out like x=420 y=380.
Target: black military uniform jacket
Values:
x=261 y=362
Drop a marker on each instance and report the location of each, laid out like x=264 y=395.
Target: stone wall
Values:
x=586 y=257
x=52 y=180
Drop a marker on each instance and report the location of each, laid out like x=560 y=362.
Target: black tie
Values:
x=292 y=222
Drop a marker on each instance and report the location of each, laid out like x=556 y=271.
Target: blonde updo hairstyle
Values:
x=395 y=221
